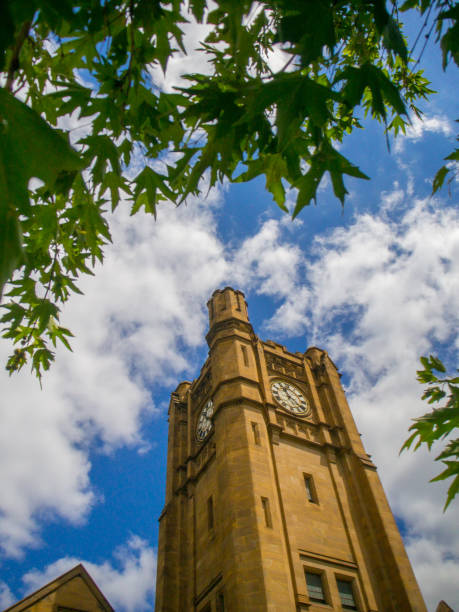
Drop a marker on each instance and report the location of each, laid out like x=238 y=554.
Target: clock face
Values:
x=205 y=421
x=290 y=397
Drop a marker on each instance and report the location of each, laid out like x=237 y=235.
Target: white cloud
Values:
x=127 y=582
x=6 y=596
x=41 y=466
x=437 y=124
x=179 y=64
x=436 y=572
x=138 y=313
x=266 y=263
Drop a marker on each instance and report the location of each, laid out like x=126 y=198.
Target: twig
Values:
x=14 y=63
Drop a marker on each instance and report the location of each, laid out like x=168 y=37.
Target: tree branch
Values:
x=14 y=63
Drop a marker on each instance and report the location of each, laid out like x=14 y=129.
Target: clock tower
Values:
x=271 y=500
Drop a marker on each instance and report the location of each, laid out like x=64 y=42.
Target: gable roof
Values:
x=77 y=572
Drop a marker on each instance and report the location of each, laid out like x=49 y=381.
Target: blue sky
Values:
x=82 y=462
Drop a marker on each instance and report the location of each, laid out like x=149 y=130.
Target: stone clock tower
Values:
x=271 y=500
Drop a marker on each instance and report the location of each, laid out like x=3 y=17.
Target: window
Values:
x=245 y=356
x=256 y=433
x=210 y=513
x=346 y=594
x=267 y=511
x=220 y=602
x=315 y=587
x=310 y=489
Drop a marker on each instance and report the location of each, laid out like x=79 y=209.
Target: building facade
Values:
x=271 y=500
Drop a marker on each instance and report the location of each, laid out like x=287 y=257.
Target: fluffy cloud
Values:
x=436 y=570
x=266 y=263
x=194 y=61
x=6 y=596
x=127 y=581
x=41 y=466
x=144 y=305
x=437 y=124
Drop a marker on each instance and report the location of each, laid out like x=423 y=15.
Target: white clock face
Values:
x=205 y=421
x=290 y=397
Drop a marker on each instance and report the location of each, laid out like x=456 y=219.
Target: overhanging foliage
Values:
x=93 y=62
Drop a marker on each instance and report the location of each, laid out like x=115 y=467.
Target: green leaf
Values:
x=309 y=27
x=150 y=188
x=28 y=148
x=43 y=312
x=275 y=169
x=197 y=8
x=308 y=185
x=103 y=150
x=380 y=86
x=41 y=360
x=7 y=28
x=452 y=470
x=454 y=156
x=440 y=422
x=115 y=183
x=439 y=179
x=393 y=39
x=437 y=364
x=11 y=250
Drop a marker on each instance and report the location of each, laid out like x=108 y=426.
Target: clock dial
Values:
x=290 y=397
x=205 y=421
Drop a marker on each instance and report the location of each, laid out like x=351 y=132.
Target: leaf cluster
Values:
x=81 y=111
x=441 y=422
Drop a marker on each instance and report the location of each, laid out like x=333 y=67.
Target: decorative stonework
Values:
x=201 y=460
x=231 y=325
x=203 y=389
x=317 y=358
x=304 y=430
x=181 y=408
x=283 y=366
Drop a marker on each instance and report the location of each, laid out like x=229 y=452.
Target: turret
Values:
x=227 y=304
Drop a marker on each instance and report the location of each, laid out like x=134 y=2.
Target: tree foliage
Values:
x=441 y=422
x=94 y=62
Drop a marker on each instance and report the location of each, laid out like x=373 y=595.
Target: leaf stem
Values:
x=14 y=63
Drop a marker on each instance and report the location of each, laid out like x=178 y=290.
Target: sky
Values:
x=376 y=284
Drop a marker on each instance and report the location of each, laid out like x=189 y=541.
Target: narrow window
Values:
x=220 y=602
x=210 y=513
x=346 y=593
x=256 y=434
x=245 y=356
x=267 y=511
x=315 y=587
x=310 y=489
